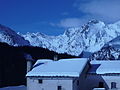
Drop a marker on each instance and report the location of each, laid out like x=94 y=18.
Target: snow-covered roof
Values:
x=64 y=67
x=105 y=67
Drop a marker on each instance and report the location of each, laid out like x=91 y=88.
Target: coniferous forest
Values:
x=13 y=63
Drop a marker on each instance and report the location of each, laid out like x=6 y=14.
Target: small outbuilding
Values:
x=64 y=74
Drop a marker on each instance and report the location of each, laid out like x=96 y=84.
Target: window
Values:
x=113 y=85
x=101 y=85
x=40 y=81
x=77 y=82
x=59 y=88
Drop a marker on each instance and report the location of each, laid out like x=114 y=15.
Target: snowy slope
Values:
x=22 y=87
x=111 y=51
x=114 y=43
x=89 y=38
x=9 y=36
x=106 y=53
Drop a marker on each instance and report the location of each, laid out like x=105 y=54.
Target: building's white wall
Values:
x=49 y=84
x=93 y=81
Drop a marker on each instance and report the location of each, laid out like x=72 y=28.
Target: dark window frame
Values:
x=59 y=88
x=113 y=85
x=78 y=82
x=101 y=85
x=40 y=81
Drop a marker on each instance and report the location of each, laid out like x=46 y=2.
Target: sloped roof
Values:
x=105 y=67
x=64 y=67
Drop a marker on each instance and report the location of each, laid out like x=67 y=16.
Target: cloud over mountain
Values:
x=69 y=22
x=106 y=10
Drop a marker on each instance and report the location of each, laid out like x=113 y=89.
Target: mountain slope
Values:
x=89 y=38
x=106 y=53
x=110 y=51
x=9 y=36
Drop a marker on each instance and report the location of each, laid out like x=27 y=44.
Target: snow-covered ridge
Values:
x=91 y=37
x=106 y=53
x=9 y=36
x=110 y=51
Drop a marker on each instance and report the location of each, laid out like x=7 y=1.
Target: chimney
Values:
x=55 y=58
x=29 y=62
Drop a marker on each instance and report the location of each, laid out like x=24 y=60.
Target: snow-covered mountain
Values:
x=9 y=36
x=88 y=39
x=106 y=53
x=110 y=51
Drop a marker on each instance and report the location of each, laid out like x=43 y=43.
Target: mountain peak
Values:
x=93 y=21
x=2 y=26
x=92 y=25
x=9 y=36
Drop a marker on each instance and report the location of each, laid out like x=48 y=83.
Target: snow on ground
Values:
x=22 y=87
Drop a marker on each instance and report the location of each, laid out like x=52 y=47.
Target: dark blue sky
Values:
x=52 y=17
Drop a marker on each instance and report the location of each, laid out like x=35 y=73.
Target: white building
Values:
x=104 y=74
x=65 y=74
x=74 y=74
